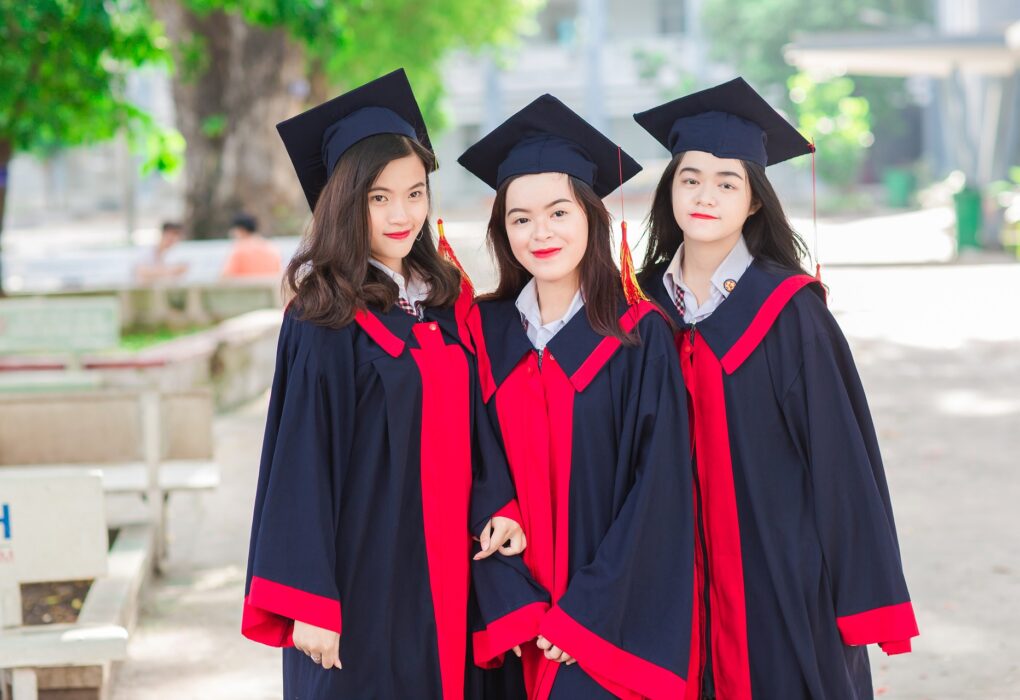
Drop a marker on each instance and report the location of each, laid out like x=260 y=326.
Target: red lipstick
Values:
x=398 y=235
x=699 y=215
x=546 y=252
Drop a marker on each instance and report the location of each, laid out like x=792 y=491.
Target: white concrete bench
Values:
x=52 y=528
x=146 y=443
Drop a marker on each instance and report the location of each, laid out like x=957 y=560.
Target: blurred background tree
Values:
x=62 y=78
x=241 y=67
x=838 y=123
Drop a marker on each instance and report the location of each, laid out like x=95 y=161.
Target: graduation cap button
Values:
x=433 y=326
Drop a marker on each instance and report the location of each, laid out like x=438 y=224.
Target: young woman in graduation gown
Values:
x=584 y=386
x=797 y=559
x=373 y=477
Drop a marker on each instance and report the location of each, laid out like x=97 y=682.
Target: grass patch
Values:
x=138 y=340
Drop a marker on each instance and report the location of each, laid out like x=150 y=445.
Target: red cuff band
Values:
x=597 y=656
x=892 y=625
x=898 y=647
x=270 y=609
x=501 y=635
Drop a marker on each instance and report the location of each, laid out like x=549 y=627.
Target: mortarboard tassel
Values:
x=628 y=275
x=814 y=213
x=446 y=251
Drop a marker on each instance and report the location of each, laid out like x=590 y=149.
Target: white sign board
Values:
x=52 y=525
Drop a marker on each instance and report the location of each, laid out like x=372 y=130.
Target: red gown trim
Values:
x=891 y=627
x=621 y=672
x=602 y=353
x=270 y=609
x=763 y=321
x=446 y=494
x=516 y=627
x=379 y=333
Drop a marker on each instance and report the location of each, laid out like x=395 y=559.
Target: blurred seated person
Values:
x=153 y=265
x=252 y=255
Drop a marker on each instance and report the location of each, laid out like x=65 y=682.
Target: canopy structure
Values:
x=972 y=81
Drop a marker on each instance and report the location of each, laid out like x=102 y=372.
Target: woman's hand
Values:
x=501 y=534
x=321 y=646
x=553 y=652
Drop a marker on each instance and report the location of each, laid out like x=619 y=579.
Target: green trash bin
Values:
x=899 y=186
x=968 y=218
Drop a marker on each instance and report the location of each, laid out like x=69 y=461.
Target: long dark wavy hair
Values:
x=600 y=278
x=767 y=232
x=329 y=275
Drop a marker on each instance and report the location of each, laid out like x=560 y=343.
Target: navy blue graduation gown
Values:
x=798 y=563
x=370 y=485
x=596 y=439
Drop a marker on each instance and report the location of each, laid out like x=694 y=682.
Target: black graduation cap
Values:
x=730 y=120
x=316 y=139
x=548 y=137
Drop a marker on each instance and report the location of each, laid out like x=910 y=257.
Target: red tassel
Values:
x=628 y=275
x=446 y=251
x=814 y=213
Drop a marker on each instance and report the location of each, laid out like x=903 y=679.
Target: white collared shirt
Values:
x=538 y=333
x=414 y=292
x=726 y=275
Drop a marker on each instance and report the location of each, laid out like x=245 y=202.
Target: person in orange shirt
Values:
x=252 y=255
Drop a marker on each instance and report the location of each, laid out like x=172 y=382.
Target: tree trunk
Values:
x=228 y=101
x=6 y=151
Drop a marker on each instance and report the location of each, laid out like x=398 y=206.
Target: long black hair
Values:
x=769 y=236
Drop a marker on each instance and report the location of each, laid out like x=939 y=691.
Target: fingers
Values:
x=331 y=659
x=556 y=654
x=515 y=545
x=320 y=645
x=494 y=535
x=553 y=652
x=485 y=539
x=517 y=651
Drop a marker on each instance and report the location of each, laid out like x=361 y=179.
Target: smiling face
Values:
x=398 y=206
x=546 y=226
x=711 y=198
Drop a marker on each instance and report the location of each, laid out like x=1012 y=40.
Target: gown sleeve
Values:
x=626 y=615
x=509 y=602
x=828 y=414
x=309 y=430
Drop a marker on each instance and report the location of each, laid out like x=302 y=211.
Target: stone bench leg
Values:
x=24 y=685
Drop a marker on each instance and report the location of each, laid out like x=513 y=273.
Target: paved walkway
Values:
x=939 y=352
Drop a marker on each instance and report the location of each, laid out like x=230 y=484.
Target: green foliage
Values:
x=355 y=41
x=62 y=74
x=837 y=122
x=214 y=125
